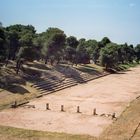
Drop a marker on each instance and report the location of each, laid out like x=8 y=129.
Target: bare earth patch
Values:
x=109 y=94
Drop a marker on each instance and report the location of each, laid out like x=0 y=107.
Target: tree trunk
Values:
x=6 y=63
x=18 y=65
x=106 y=67
x=46 y=61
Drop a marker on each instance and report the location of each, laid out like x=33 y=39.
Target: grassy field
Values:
x=22 y=134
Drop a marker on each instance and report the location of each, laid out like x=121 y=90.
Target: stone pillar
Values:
x=94 y=112
x=113 y=116
x=47 y=106
x=15 y=105
x=78 y=109
x=62 y=108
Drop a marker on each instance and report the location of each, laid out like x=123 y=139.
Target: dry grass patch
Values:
x=89 y=68
x=137 y=135
x=7 y=97
x=11 y=133
x=124 y=127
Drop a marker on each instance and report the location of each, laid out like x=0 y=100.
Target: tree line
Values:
x=22 y=43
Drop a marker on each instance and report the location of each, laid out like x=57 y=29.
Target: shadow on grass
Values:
x=70 y=72
x=17 y=89
x=88 y=69
x=38 y=66
x=87 y=66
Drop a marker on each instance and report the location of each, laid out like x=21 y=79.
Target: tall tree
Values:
x=137 y=51
x=70 y=49
x=109 y=56
x=17 y=34
x=55 y=42
x=72 y=42
x=82 y=53
x=105 y=41
x=128 y=52
x=96 y=52
x=90 y=46
x=13 y=44
x=3 y=48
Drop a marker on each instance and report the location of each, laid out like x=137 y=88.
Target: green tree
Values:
x=109 y=56
x=105 y=41
x=70 y=54
x=96 y=52
x=72 y=42
x=82 y=55
x=3 y=48
x=54 y=45
x=26 y=53
x=18 y=36
x=137 y=52
x=128 y=53
x=70 y=49
x=13 y=44
x=21 y=43
x=90 y=46
x=38 y=43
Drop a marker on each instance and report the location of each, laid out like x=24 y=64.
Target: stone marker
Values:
x=113 y=116
x=47 y=106
x=78 y=109
x=94 y=112
x=62 y=108
x=15 y=104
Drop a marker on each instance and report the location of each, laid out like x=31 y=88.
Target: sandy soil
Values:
x=109 y=94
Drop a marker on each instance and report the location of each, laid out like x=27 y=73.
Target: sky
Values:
x=91 y=19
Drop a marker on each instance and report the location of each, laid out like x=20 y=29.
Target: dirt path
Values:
x=109 y=94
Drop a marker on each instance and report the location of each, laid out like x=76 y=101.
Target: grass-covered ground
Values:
x=89 y=68
x=16 y=92
x=127 y=66
x=10 y=133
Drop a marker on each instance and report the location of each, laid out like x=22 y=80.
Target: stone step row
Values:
x=44 y=82
x=49 y=86
x=45 y=92
x=58 y=85
x=49 y=82
x=83 y=78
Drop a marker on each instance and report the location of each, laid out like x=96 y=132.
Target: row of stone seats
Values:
x=44 y=82
x=84 y=78
x=57 y=87
x=49 y=85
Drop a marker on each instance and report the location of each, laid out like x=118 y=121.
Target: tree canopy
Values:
x=109 y=55
x=22 y=42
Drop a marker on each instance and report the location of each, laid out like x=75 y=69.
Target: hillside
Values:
x=36 y=79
